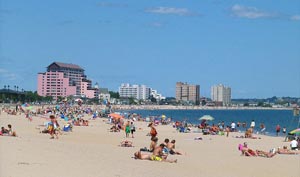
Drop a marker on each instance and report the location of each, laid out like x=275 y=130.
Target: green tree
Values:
x=260 y=104
x=131 y=101
x=114 y=94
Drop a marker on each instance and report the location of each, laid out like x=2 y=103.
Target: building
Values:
x=62 y=79
x=187 y=93
x=221 y=94
x=140 y=92
x=156 y=95
x=104 y=94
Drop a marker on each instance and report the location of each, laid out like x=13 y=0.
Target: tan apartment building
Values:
x=187 y=92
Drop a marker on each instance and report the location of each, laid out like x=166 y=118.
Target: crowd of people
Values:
x=7 y=131
x=157 y=151
x=74 y=116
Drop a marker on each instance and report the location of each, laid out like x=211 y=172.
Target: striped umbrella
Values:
x=296 y=131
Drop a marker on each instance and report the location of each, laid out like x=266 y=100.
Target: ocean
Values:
x=270 y=118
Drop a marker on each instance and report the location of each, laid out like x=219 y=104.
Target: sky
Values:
x=252 y=46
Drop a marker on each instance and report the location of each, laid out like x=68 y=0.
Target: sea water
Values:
x=270 y=118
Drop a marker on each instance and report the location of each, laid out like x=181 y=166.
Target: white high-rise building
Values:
x=141 y=92
x=156 y=95
x=221 y=93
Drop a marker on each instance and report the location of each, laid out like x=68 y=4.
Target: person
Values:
x=52 y=127
x=262 y=128
x=153 y=132
x=294 y=144
x=132 y=129
x=126 y=144
x=252 y=124
x=157 y=155
x=139 y=155
x=232 y=127
x=283 y=130
x=270 y=154
x=285 y=150
x=171 y=147
x=10 y=131
x=4 y=131
x=246 y=151
x=152 y=145
x=277 y=129
x=166 y=150
x=227 y=131
x=127 y=129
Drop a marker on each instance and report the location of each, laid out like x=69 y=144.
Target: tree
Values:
x=114 y=94
x=131 y=101
x=153 y=100
x=260 y=104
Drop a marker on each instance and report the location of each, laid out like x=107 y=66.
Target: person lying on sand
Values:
x=139 y=155
x=158 y=155
x=285 y=150
x=269 y=154
x=246 y=151
x=126 y=143
x=251 y=153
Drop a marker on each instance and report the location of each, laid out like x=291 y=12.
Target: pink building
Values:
x=63 y=80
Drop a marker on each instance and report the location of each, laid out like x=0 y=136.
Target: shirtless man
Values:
x=158 y=153
x=153 y=144
x=171 y=147
x=139 y=155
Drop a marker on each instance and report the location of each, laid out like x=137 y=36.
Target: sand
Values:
x=93 y=151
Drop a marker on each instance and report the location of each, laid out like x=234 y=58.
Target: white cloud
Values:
x=110 y=4
x=6 y=75
x=157 y=24
x=171 y=11
x=295 y=17
x=250 y=12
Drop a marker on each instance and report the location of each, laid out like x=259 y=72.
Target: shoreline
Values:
x=159 y=107
x=169 y=107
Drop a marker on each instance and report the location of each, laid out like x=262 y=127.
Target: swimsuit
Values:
x=156 y=158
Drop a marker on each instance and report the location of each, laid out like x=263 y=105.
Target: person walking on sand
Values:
x=283 y=130
x=127 y=129
x=227 y=129
x=262 y=129
x=132 y=129
x=277 y=129
x=153 y=131
x=252 y=124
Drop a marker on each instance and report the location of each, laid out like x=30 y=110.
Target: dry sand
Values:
x=93 y=151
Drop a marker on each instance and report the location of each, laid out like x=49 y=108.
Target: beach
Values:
x=93 y=151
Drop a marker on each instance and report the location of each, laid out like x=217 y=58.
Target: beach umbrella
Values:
x=206 y=117
x=296 y=131
x=26 y=106
x=115 y=115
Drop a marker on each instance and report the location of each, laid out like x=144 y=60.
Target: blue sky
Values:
x=251 y=46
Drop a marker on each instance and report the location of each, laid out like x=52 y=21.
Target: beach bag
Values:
x=153 y=132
